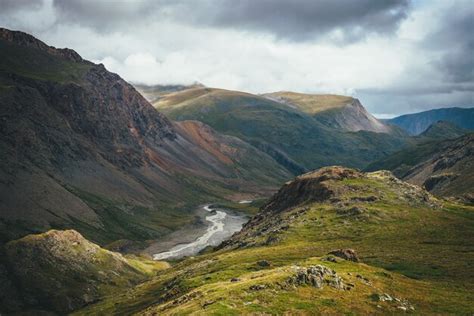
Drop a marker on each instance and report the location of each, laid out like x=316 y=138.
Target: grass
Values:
x=409 y=250
x=36 y=64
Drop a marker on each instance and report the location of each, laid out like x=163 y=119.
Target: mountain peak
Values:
x=23 y=39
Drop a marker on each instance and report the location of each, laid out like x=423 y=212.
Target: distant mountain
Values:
x=293 y=134
x=417 y=123
x=443 y=167
x=81 y=148
x=334 y=111
x=154 y=93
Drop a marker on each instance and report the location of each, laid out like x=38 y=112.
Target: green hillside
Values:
x=281 y=131
x=415 y=255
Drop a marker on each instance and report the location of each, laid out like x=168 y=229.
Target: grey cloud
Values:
x=296 y=20
x=12 y=5
x=300 y=20
x=105 y=16
x=455 y=40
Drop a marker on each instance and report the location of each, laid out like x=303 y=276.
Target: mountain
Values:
x=334 y=111
x=417 y=123
x=332 y=241
x=61 y=271
x=81 y=148
x=444 y=167
x=154 y=93
x=443 y=130
x=293 y=137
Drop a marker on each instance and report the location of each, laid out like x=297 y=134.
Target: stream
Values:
x=222 y=224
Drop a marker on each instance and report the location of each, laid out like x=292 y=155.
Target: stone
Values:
x=316 y=276
x=258 y=287
x=207 y=303
x=347 y=254
x=263 y=263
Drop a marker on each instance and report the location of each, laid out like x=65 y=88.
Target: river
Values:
x=222 y=224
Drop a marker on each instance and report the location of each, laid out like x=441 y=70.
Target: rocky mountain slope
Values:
x=62 y=271
x=332 y=241
x=297 y=139
x=444 y=167
x=334 y=111
x=417 y=123
x=81 y=148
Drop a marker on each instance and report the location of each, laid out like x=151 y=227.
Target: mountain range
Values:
x=92 y=165
x=299 y=131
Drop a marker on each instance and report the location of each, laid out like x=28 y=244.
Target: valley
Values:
x=133 y=199
x=222 y=225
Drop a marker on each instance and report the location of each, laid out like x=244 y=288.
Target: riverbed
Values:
x=221 y=224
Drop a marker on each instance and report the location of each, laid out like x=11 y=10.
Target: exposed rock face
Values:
x=346 y=254
x=335 y=111
x=61 y=271
x=78 y=144
x=450 y=171
x=353 y=117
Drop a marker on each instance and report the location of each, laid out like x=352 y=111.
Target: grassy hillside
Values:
x=59 y=271
x=415 y=256
x=294 y=138
x=310 y=103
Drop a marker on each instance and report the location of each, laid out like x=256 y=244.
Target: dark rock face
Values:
x=347 y=254
x=79 y=144
x=26 y=40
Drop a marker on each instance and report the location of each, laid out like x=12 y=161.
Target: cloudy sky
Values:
x=396 y=56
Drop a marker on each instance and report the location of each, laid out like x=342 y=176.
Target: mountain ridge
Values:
x=416 y=123
x=296 y=139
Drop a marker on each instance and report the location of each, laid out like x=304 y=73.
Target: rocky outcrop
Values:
x=346 y=254
x=62 y=271
x=309 y=187
x=317 y=276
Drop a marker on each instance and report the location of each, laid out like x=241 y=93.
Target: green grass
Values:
x=410 y=250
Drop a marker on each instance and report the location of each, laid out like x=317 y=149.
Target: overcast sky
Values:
x=395 y=56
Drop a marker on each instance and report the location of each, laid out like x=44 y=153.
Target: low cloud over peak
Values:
x=397 y=56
